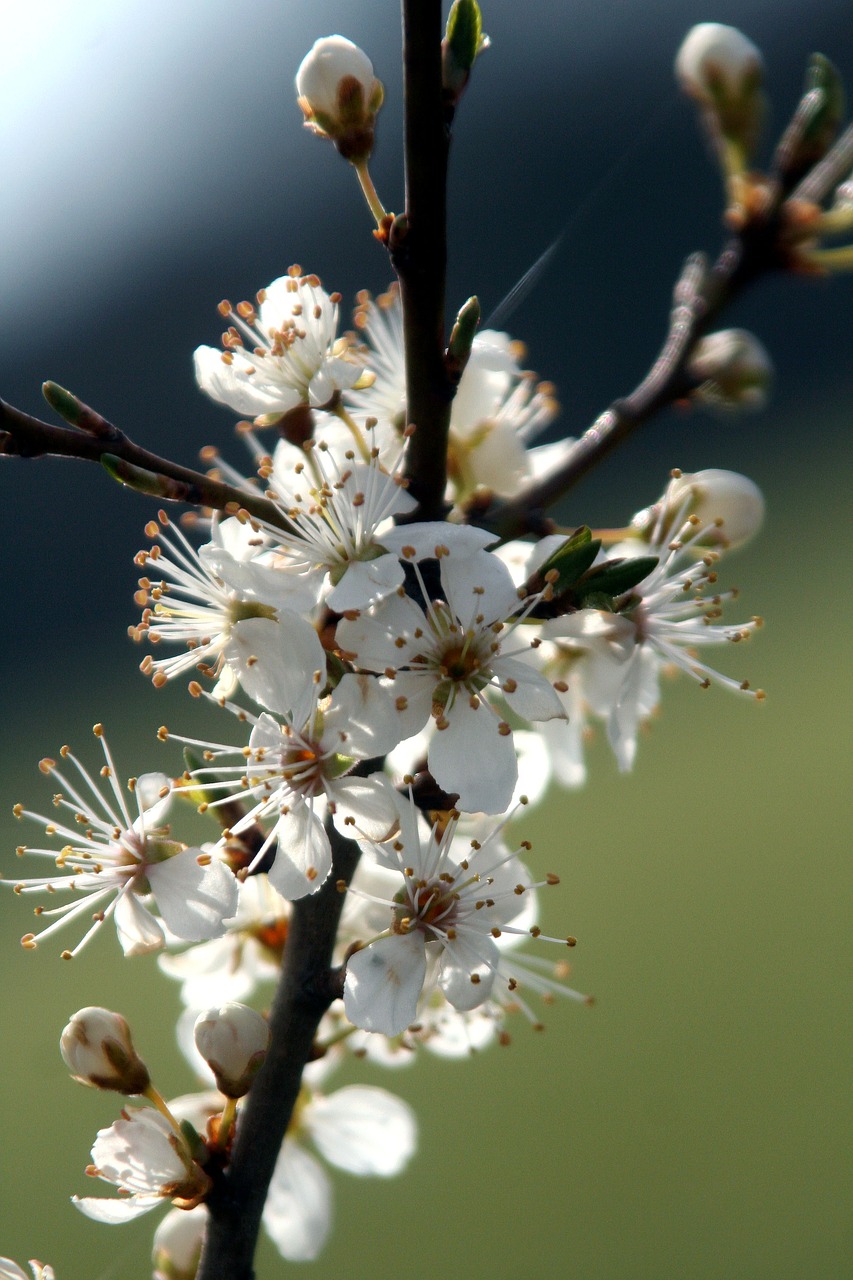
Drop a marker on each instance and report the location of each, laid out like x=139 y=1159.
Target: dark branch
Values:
x=418 y=248
x=306 y=989
x=23 y=436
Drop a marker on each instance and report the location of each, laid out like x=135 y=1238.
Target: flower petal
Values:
x=364 y=1130
x=193 y=897
x=383 y=983
x=304 y=857
x=472 y=758
x=298 y=1210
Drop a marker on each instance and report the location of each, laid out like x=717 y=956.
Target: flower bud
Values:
x=732 y=368
x=722 y=70
x=98 y=1051
x=177 y=1244
x=729 y=506
x=340 y=96
x=463 y=42
x=721 y=495
x=233 y=1041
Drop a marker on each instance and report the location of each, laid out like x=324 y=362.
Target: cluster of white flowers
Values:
x=361 y=653
x=407 y=685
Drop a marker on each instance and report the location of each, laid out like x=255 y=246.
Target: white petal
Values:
x=371 y=640
x=458 y=1034
x=362 y=721
x=476 y=954
x=470 y=757
x=499 y=460
x=364 y=1130
x=231 y=385
x=148 y=792
x=298 y=1210
x=194 y=899
x=366 y=581
x=276 y=661
x=535 y=698
x=115 y=1211
x=460 y=539
x=365 y=809
x=478 y=584
x=138 y=931
x=383 y=983
x=304 y=857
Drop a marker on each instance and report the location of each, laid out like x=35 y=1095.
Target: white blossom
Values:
x=148 y=1161
x=280 y=354
x=361 y=1129
x=248 y=953
x=114 y=862
x=451 y=909
x=498 y=409
x=660 y=623
x=450 y=658
x=294 y=769
x=198 y=598
x=337 y=510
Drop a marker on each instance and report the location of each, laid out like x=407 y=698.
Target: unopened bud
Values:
x=723 y=71
x=98 y=1051
x=233 y=1041
x=463 y=42
x=340 y=96
x=177 y=1244
x=730 y=506
x=732 y=369
x=721 y=495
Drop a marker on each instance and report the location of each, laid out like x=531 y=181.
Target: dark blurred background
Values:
x=697 y=1122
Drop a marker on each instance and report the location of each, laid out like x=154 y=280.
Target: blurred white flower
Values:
x=361 y=1129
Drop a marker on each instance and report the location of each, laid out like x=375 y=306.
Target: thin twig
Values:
x=23 y=436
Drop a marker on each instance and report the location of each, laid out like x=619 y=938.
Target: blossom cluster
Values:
x=408 y=686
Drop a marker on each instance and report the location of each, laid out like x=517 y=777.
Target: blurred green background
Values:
x=696 y=1123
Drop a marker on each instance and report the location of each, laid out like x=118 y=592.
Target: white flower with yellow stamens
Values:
x=451 y=909
x=197 y=599
x=294 y=769
x=282 y=353
x=114 y=862
x=451 y=656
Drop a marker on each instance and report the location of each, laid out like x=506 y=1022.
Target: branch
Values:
x=305 y=991
x=418 y=248
x=23 y=436
x=699 y=297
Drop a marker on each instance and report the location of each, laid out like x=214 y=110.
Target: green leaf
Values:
x=571 y=560
x=464 y=34
x=616 y=576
